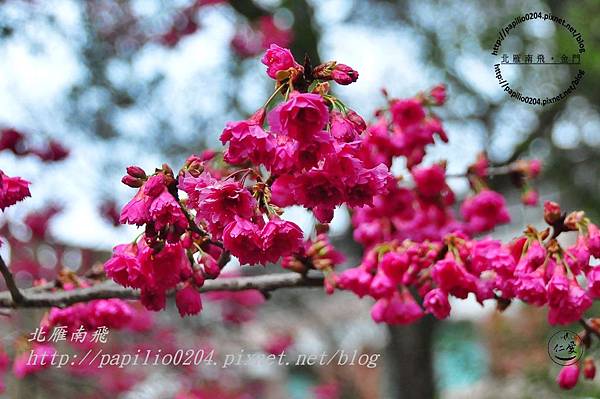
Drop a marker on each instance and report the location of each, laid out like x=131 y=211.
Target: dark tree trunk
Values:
x=410 y=360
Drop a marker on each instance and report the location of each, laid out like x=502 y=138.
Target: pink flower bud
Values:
x=438 y=93
x=343 y=74
x=211 y=267
x=132 y=182
x=551 y=212
x=568 y=376
x=530 y=197
x=593 y=240
x=535 y=167
x=136 y=171
x=589 y=369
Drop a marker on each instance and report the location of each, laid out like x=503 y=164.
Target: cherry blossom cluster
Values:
x=420 y=251
x=533 y=268
x=307 y=150
x=424 y=210
x=305 y=147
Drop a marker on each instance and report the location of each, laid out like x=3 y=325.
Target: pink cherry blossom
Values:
x=436 y=303
x=219 y=203
x=278 y=59
x=137 y=211
x=398 y=309
x=452 y=278
x=280 y=238
x=166 y=211
x=347 y=127
x=430 y=181
x=248 y=142
x=242 y=238
x=485 y=210
x=407 y=112
x=301 y=117
x=22 y=367
x=12 y=190
x=188 y=301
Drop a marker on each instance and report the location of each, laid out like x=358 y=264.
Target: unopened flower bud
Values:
x=568 y=376
x=534 y=169
x=211 y=268
x=530 y=197
x=529 y=169
x=552 y=212
x=194 y=165
x=330 y=283
x=344 y=75
x=589 y=368
x=136 y=171
x=438 y=93
x=132 y=182
x=481 y=165
x=207 y=155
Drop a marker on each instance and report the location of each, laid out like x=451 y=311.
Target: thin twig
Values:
x=588 y=328
x=109 y=289
x=491 y=171
x=15 y=293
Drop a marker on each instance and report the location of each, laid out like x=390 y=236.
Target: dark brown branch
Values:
x=16 y=295
x=491 y=171
x=109 y=289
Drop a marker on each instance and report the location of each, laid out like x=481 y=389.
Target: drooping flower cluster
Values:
x=313 y=147
x=312 y=154
x=312 y=150
x=154 y=272
x=423 y=209
x=405 y=129
x=110 y=313
x=12 y=190
x=533 y=268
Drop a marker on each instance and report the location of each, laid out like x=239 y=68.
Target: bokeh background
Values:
x=152 y=81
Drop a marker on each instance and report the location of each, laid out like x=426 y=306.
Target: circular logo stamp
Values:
x=565 y=348
x=526 y=67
